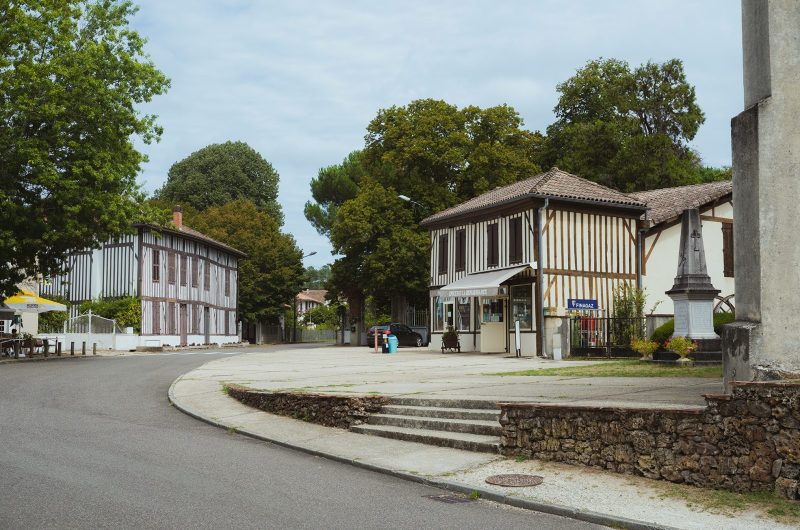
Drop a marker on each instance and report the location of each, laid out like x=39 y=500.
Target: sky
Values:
x=299 y=81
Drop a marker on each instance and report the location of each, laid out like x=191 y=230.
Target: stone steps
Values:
x=461 y=424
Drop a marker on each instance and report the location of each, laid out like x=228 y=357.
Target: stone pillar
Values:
x=763 y=343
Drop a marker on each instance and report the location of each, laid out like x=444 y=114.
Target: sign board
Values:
x=578 y=303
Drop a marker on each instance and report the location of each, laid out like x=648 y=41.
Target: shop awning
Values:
x=481 y=283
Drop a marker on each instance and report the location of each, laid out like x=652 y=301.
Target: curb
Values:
x=485 y=494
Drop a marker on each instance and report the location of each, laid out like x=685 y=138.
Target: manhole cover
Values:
x=515 y=480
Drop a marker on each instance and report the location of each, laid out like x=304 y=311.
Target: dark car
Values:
x=405 y=335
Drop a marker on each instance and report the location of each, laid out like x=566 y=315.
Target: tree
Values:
x=71 y=76
x=272 y=273
x=317 y=278
x=332 y=186
x=323 y=317
x=440 y=155
x=220 y=173
x=384 y=253
x=628 y=129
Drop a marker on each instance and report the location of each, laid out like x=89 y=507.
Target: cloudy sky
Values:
x=300 y=80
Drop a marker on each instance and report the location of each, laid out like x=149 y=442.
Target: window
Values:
x=170 y=318
x=492 y=251
x=195 y=271
x=196 y=311
x=171 y=267
x=184 y=267
x=492 y=310
x=438 y=314
x=206 y=274
x=727 y=249
x=521 y=306
x=156 y=265
x=227 y=282
x=461 y=250
x=515 y=240
x=443 y=254
x=462 y=310
x=227 y=322
x=156 y=318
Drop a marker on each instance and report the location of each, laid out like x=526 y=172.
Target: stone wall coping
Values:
x=777 y=383
x=249 y=390
x=688 y=409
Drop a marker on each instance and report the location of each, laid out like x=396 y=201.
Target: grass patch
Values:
x=731 y=503
x=627 y=368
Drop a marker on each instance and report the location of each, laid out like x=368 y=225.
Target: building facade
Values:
x=186 y=282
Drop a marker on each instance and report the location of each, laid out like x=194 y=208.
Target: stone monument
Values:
x=763 y=343
x=692 y=293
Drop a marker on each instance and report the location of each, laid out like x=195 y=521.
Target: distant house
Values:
x=187 y=282
x=309 y=299
x=534 y=250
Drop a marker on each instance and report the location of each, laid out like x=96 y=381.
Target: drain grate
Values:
x=449 y=499
x=515 y=480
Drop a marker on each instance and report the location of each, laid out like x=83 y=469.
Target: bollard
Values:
x=83 y=348
x=58 y=348
x=16 y=349
x=94 y=348
x=46 y=348
x=72 y=348
x=31 y=347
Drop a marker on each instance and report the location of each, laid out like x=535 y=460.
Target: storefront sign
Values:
x=578 y=303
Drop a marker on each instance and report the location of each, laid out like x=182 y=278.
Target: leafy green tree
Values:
x=627 y=128
x=220 y=173
x=332 y=186
x=384 y=252
x=440 y=155
x=317 y=278
x=126 y=310
x=72 y=74
x=272 y=273
x=323 y=317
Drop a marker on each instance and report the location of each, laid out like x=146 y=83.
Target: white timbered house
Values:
x=187 y=282
x=582 y=239
x=520 y=252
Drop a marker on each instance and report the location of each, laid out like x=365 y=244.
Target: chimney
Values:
x=177 y=217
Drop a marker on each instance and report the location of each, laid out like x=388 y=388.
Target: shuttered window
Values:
x=443 y=254
x=492 y=249
x=156 y=265
x=515 y=240
x=195 y=271
x=196 y=311
x=461 y=250
x=171 y=267
x=206 y=275
x=184 y=267
x=156 y=317
x=227 y=282
x=170 y=318
x=727 y=249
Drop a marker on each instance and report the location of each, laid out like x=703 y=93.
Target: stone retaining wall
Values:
x=748 y=441
x=325 y=409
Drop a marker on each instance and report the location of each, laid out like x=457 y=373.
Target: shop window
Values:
x=438 y=314
x=492 y=310
x=463 y=312
x=521 y=307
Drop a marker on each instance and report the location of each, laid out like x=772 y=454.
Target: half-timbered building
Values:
x=520 y=252
x=187 y=282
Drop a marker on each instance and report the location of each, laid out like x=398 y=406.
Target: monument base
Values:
x=694 y=314
x=740 y=340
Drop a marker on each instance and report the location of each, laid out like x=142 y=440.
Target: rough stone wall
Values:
x=325 y=409
x=747 y=441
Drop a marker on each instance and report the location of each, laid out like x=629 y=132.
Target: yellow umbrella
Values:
x=28 y=302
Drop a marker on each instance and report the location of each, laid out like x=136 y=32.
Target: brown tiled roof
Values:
x=552 y=184
x=315 y=295
x=194 y=234
x=668 y=203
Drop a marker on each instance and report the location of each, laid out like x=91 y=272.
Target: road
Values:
x=93 y=443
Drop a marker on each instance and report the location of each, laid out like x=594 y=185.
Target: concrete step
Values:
x=484 y=427
x=456 y=440
x=445 y=403
x=442 y=412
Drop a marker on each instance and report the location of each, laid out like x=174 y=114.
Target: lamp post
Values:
x=294 y=309
x=412 y=201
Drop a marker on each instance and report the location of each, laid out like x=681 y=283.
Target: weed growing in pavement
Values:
x=521 y=458
x=475 y=495
x=232 y=430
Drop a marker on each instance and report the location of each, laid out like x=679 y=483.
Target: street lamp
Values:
x=294 y=309
x=406 y=198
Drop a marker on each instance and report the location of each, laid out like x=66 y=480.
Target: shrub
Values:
x=681 y=345
x=628 y=315
x=53 y=321
x=126 y=310
x=663 y=332
x=644 y=347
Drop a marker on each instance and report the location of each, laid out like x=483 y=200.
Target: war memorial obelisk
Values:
x=764 y=342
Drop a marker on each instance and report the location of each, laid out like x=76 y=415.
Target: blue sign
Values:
x=577 y=303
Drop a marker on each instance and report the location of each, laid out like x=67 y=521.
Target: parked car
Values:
x=405 y=335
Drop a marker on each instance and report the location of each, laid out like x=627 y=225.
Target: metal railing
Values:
x=607 y=336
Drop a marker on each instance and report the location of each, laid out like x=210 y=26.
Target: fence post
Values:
x=72 y=348
x=58 y=347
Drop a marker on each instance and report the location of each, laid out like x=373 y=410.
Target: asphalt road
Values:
x=93 y=443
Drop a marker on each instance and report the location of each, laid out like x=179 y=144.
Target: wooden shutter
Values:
x=195 y=271
x=493 y=254
x=170 y=318
x=461 y=250
x=171 y=267
x=227 y=282
x=443 y=254
x=156 y=317
x=515 y=240
x=206 y=274
x=727 y=249
x=184 y=267
x=156 y=265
